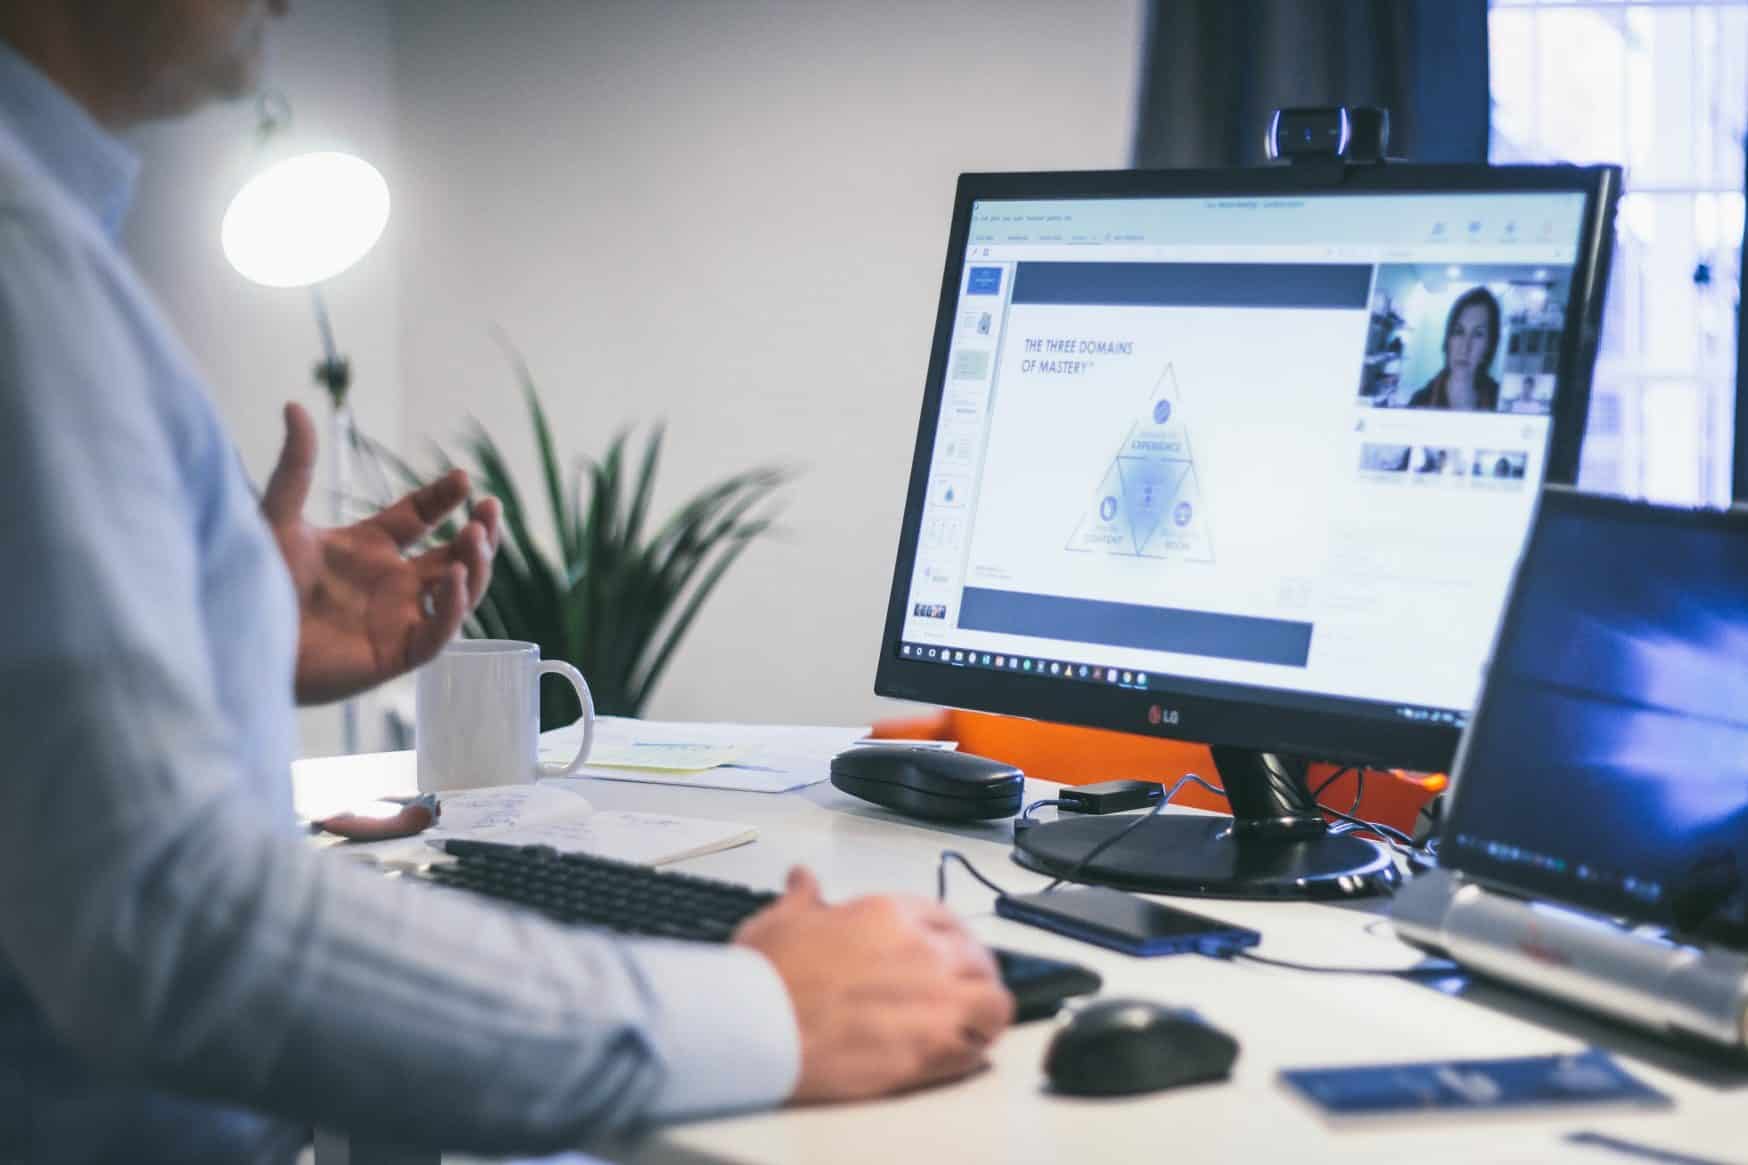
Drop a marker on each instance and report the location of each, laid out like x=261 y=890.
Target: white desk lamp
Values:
x=301 y=220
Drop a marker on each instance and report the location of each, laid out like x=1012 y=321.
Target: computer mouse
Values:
x=936 y=783
x=1115 y=1046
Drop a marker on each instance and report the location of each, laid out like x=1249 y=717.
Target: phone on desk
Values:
x=1125 y=922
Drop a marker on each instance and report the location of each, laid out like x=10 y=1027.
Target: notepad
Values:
x=545 y=814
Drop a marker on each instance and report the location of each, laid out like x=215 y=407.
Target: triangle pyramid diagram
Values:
x=1106 y=527
x=1149 y=503
x=1184 y=534
x=1149 y=487
x=1159 y=433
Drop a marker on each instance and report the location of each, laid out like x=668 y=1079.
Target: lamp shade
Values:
x=305 y=219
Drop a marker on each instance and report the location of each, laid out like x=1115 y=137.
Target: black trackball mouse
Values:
x=1115 y=1046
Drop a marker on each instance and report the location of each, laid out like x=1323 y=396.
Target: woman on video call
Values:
x=1471 y=340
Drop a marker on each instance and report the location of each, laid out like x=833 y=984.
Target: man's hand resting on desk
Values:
x=889 y=993
x=366 y=611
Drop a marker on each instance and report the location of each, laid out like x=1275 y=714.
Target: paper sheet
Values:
x=470 y=811
x=557 y=815
x=773 y=758
x=688 y=756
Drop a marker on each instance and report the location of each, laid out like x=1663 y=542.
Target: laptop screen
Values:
x=1607 y=764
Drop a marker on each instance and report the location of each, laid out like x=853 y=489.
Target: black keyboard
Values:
x=590 y=891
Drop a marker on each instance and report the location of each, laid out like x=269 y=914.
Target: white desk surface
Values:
x=1281 y=1018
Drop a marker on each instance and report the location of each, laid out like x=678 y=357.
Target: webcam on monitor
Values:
x=1329 y=133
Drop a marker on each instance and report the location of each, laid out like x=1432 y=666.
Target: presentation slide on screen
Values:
x=1176 y=466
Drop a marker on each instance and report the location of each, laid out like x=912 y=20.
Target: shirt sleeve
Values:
x=168 y=928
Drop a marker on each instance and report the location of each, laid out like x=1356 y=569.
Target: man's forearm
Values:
x=180 y=934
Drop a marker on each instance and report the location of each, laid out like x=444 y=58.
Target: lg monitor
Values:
x=1241 y=457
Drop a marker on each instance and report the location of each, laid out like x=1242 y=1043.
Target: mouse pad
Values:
x=1527 y=1083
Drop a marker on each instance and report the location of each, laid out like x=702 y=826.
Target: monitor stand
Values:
x=1275 y=844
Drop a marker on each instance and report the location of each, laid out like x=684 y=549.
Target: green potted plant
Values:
x=609 y=590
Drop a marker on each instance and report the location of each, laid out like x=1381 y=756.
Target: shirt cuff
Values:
x=727 y=1036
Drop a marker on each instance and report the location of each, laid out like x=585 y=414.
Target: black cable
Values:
x=953 y=855
x=1359 y=790
x=1081 y=865
x=1334 y=777
x=1026 y=813
x=1388 y=832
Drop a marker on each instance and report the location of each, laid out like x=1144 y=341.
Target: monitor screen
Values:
x=1278 y=448
x=1608 y=762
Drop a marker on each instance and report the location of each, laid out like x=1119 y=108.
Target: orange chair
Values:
x=1080 y=756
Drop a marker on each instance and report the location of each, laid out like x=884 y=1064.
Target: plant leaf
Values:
x=738 y=542
x=562 y=517
x=608 y=594
x=652 y=453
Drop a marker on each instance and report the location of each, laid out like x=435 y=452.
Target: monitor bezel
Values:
x=1524 y=881
x=1230 y=714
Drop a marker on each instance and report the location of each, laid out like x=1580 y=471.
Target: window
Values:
x=1660 y=87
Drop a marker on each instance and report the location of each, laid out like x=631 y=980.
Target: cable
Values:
x=1388 y=832
x=1026 y=813
x=1359 y=785
x=1334 y=777
x=1443 y=967
x=953 y=855
x=1081 y=865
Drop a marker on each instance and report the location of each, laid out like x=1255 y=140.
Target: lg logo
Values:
x=1159 y=716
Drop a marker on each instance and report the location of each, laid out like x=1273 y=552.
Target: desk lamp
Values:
x=302 y=219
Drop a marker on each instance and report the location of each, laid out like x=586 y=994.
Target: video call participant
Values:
x=182 y=977
x=1471 y=341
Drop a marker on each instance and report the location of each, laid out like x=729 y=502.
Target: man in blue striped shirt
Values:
x=180 y=977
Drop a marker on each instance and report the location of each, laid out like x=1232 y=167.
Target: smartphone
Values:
x=1125 y=922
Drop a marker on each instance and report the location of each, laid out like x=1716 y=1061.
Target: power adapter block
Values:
x=1110 y=797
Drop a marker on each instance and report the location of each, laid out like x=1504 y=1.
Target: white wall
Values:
x=333 y=59
x=727 y=214
x=730 y=215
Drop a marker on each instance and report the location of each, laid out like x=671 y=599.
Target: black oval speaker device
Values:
x=936 y=783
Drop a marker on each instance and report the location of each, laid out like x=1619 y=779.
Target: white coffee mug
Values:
x=479 y=716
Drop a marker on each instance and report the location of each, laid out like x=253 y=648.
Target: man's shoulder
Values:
x=68 y=340
x=36 y=215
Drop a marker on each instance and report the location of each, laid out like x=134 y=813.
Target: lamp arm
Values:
x=334 y=373
x=329 y=350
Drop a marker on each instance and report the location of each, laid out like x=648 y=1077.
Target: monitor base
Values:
x=1203 y=856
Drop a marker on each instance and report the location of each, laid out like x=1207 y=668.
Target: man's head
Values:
x=130 y=61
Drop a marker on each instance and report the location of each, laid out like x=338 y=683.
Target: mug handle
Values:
x=558 y=667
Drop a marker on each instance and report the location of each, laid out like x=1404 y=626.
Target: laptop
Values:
x=1595 y=846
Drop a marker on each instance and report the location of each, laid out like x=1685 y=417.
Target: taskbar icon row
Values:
x=1091 y=673
x=1442 y=716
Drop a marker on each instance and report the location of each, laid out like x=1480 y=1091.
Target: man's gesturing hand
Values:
x=889 y=993
x=367 y=612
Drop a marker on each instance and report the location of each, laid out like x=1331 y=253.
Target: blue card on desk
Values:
x=1523 y=1084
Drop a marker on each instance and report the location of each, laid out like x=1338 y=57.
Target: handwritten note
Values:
x=470 y=811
